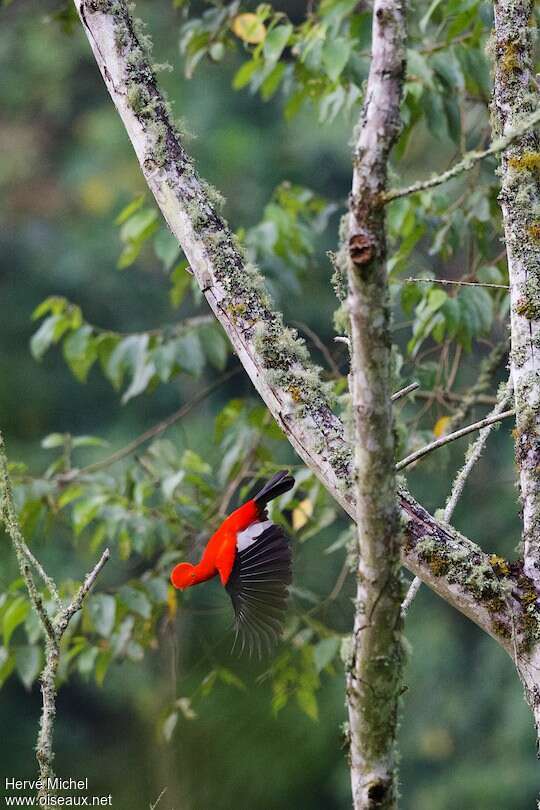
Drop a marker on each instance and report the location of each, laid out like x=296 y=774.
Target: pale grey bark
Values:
x=374 y=663
x=515 y=96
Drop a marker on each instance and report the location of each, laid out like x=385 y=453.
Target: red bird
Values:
x=253 y=559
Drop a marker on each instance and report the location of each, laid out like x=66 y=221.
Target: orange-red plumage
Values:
x=252 y=557
x=220 y=551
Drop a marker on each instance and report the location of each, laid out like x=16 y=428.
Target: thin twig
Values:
x=44 y=747
x=64 y=617
x=470 y=159
x=423 y=451
x=450 y=282
x=11 y=524
x=414 y=587
x=340 y=581
x=439 y=394
x=404 y=391
x=152 y=432
x=49 y=582
x=472 y=455
x=157 y=801
x=440 y=46
x=53 y=628
x=487 y=370
x=334 y=368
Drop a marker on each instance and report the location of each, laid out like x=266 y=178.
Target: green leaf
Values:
x=427 y=16
x=7 y=665
x=229 y=678
x=70 y=494
x=28 y=663
x=325 y=651
x=307 y=701
x=189 y=353
x=129 y=210
x=53 y=440
x=45 y=336
x=136 y=601
x=14 y=615
x=215 y=345
x=137 y=225
x=243 y=76
x=103 y=661
x=166 y=247
x=216 y=51
x=476 y=314
x=418 y=66
x=275 y=42
x=89 y=441
x=170 y=483
x=85 y=511
x=335 y=55
x=54 y=304
x=86 y=661
x=134 y=233
x=181 y=280
x=131 y=354
x=272 y=81
x=102 y=610
x=80 y=352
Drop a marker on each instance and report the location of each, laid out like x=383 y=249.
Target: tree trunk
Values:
x=515 y=96
x=374 y=667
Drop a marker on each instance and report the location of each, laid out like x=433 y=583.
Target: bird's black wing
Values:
x=259 y=588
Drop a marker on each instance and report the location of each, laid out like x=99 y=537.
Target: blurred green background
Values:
x=66 y=169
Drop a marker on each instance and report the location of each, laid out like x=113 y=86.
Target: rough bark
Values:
x=277 y=363
x=515 y=96
x=53 y=627
x=374 y=665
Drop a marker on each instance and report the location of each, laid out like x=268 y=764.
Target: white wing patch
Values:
x=248 y=536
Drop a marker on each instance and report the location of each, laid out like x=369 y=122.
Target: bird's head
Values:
x=183 y=576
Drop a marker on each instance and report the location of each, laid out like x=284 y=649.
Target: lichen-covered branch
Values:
x=515 y=96
x=275 y=360
x=374 y=662
x=53 y=627
x=474 y=451
x=471 y=159
x=491 y=419
x=475 y=394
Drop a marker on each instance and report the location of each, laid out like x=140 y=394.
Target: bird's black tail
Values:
x=280 y=483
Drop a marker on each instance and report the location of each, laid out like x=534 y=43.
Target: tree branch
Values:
x=374 y=665
x=151 y=433
x=53 y=628
x=515 y=94
x=471 y=159
x=451 y=437
x=472 y=455
x=447 y=282
x=520 y=201
x=276 y=362
x=404 y=392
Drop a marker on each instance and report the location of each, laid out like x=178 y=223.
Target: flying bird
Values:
x=252 y=557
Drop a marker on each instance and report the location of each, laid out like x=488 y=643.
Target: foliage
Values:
x=159 y=504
